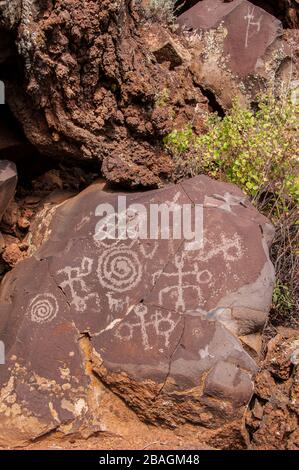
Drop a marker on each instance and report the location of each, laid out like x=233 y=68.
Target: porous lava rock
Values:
x=89 y=88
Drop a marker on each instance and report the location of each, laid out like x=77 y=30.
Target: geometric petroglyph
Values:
x=43 y=308
x=178 y=287
x=253 y=26
x=119 y=269
x=224 y=202
x=161 y=322
x=230 y=248
x=75 y=283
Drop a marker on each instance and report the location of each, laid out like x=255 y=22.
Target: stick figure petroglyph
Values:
x=250 y=22
x=76 y=284
x=162 y=323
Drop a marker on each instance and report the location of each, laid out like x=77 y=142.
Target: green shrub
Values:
x=159 y=10
x=282 y=298
x=258 y=151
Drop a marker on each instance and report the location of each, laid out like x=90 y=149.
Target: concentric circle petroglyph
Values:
x=43 y=308
x=119 y=269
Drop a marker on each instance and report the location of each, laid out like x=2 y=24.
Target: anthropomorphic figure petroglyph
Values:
x=77 y=286
x=179 y=282
x=162 y=324
x=252 y=23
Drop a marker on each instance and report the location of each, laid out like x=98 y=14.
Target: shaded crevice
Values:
x=57 y=285
x=214 y=105
x=172 y=354
x=46 y=434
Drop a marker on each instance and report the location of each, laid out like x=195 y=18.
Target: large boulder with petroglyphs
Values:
x=160 y=305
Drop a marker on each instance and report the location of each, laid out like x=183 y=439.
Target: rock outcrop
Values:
x=287 y=11
x=91 y=89
x=273 y=416
x=97 y=81
x=171 y=325
x=237 y=49
x=8 y=183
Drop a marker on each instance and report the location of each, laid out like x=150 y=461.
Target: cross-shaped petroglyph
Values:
x=251 y=23
x=76 y=284
x=224 y=202
x=160 y=322
x=182 y=280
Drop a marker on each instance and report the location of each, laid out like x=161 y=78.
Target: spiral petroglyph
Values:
x=119 y=269
x=43 y=308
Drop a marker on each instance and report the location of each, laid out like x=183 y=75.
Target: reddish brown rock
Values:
x=287 y=11
x=238 y=49
x=250 y=30
x=12 y=254
x=272 y=419
x=144 y=316
x=92 y=87
x=8 y=183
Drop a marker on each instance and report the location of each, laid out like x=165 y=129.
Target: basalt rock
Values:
x=13 y=145
x=287 y=11
x=238 y=49
x=90 y=88
x=272 y=418
x=170 y=325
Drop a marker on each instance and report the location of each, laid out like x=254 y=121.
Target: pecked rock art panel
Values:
x=238 y=50
x=250 y=30
x=157 y=319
